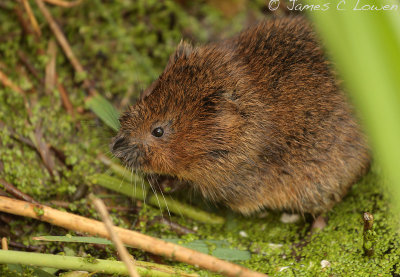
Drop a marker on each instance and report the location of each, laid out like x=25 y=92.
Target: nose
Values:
x=118 y=143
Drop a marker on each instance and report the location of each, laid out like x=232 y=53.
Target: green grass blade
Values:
x=156 y=200
x=217 y=248
x=365 y=46
x=104 y=110
x=93 y=240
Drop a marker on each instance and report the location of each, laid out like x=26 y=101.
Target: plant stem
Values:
x=132 y=238
x=118 y=169
x=130 y=263
x=164 y=202
x=368 y=234
x=74 y=263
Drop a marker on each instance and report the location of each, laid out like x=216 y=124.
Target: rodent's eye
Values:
x=158 y=132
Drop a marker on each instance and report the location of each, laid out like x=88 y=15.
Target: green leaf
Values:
x=74 y=239
x=77 y=274
x=37 y=272
x=218 y=248
x=104 y=110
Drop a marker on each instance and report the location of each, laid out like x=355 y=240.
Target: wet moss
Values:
x=124 y=45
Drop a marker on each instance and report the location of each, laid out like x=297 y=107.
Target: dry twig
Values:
x=24 y=59
x=177 y=228
x=64 y=4
x=16 y=192
x=65 y=45
x=4 y=244
x=60 y=37
x=32 y=18
x=44 y=150
x=8 y=83
x=17 y=137
x=61 y=89
x=132 y=238
x=64 y=97
x=50 y=76
x=123 y=253
x=24 y=23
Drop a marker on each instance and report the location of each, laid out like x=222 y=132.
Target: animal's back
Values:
x=314 y=147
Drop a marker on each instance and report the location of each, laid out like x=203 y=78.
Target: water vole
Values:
x=254 y=121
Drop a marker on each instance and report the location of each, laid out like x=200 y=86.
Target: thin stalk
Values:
x=369 y=236
x=130 y=263
x=75 y=263
x=135 y=239
x=173 y=205
x=117 y=168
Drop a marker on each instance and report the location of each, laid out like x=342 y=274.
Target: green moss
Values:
x=125 y=45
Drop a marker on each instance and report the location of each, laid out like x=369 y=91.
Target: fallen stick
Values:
x=32 y=18
x=8 y=83
x=4 y=244
x=153 y=245
x=50 y=70
x=64 y=4
x=16 y=192
x=24 y=59
x=60 y=37
x=65 y=45
x=122 y=252
x=64 y=97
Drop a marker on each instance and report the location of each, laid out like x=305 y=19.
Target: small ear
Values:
x=149 y=90
x=183 y=50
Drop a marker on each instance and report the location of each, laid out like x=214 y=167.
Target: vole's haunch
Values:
x=254 y=121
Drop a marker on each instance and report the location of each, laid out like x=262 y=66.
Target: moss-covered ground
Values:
x=124 y=45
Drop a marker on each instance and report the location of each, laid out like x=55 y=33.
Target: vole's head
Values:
x=186 y=120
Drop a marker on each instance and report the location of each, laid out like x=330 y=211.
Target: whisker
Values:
x=131 y=185
x=165 y=201
x=108 y=171
x=136 y=174
x=155 y=193
x=123 y=178
x=108 y=152
x=143 y=191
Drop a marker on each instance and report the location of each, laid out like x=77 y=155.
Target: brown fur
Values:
x=254 y=121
